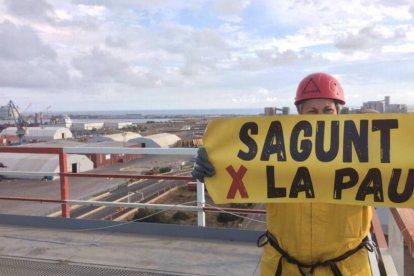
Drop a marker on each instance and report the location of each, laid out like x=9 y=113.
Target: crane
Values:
x=27 y=107
x=19 y=121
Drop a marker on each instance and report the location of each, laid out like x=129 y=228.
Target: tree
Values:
x=180 y=215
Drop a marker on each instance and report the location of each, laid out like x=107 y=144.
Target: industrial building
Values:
x=6 y=113
x=117 y=137
x=98 y=159
x=87 y=126
x=9 y=140
x=40 y=133
x=117 y=125
x=273 y=110
x=102 y=159
x=383 y=106
x=47 y=163
x=159 y=140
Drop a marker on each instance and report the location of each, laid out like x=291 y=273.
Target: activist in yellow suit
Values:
x=315 y=233
x=314 y=238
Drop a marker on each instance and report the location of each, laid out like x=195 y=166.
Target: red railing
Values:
x=405 y=222
x=403 y=217
x=64 y=185
x=64 y=182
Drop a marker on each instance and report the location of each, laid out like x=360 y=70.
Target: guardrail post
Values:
x=201 y=202
x=396 y=244
x=64 y=185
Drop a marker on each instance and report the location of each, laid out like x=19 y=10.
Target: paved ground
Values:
x=158 y=254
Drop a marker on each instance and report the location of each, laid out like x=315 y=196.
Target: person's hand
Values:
x=202 y=168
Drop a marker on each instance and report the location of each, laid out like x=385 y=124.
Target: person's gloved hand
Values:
x=202 y=168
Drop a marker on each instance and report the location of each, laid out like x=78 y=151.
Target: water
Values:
x=140 y=116
x=123 y=120
x=162 y=113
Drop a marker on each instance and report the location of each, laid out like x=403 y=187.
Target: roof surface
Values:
x=117 y=137
x=155 y=249
x=162 y=139
x=39 y=131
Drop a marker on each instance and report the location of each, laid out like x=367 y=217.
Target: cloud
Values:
x=22 y=43
x=26 y=61
x=395 y=2
x=257 y=96
x=275 y=57
x=116 y=42
x=155 y=6
x=264 y=59
x=151 y=54
x=102 y=67
x=299 y=13
x=39 y=74
x=231 y=10
x=367 y=38
x=38 y=10
x=194 y=52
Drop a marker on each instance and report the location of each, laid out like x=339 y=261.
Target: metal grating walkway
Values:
x=22 y=267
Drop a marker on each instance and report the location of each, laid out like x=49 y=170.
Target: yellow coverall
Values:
x=312 y=232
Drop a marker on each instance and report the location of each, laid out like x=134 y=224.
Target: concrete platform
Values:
x=82 y=247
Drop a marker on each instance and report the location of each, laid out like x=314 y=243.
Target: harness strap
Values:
x=267 y=237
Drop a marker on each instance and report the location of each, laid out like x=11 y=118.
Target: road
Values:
x=139 y=191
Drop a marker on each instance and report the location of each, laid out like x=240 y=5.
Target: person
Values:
x=311 y=238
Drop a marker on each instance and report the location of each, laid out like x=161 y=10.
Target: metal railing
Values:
x=65 y=201
x=400 y=225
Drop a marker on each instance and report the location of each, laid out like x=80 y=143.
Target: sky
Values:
x=200 y=54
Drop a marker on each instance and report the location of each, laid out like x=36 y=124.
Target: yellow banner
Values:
x=365 y=159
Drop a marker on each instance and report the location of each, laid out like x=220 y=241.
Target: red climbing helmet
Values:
x=319 y=86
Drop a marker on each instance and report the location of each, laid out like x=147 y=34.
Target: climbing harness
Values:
x=267 y=237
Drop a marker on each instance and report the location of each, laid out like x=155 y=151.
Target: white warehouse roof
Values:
x=117 y=137
x=117 y=125
x=41 y=133
x=47 y=163
x=73 y=144
x=160 y=140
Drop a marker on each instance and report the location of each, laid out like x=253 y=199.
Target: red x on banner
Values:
x=237 y=183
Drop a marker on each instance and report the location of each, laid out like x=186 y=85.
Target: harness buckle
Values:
x=262 y=240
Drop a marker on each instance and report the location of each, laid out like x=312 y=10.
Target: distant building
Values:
x=41 y=133
x=269 y=111
x=59 y=120
x=384 y=106
x=47 y=163
x=102 y=159
x=87 y=126
x=8 y=114
x=98 y=159
x=273 y=110
x=117 y=137
x=8 y=140
x=117 y=125
x=373 y=105
x=394 y=108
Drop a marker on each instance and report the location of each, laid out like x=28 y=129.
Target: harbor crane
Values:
x=20 y=123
